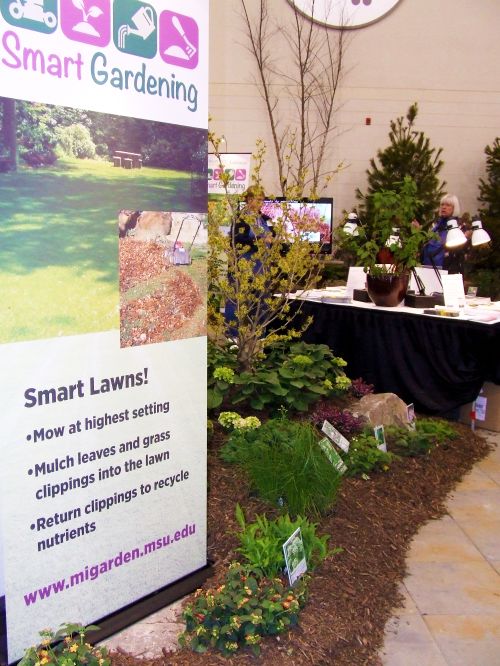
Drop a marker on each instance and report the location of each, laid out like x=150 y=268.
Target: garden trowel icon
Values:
x=189 y=50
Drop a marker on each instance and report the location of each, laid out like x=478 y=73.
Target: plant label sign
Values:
x=295 y=556
x=103 y=109
x=335 y=436
x=379 y=433
x=410 y=412
x=480 y=407
x=332 y=455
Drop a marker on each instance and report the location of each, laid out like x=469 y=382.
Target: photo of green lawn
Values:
x=58 y=243
x=65 y=175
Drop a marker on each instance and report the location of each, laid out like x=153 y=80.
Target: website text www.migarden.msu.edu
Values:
x=93 y=571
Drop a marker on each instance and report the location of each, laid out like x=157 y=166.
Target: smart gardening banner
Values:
x=103 y=110
x=236 y=166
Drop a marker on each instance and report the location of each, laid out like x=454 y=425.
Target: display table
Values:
x=436 y=362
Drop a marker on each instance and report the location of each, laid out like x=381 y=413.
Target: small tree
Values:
x=298 y=83
x=489 y=190
x=76 y=141
x=262 y=303
x=409 y=154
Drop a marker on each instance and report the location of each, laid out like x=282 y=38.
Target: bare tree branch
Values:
x=301 y=118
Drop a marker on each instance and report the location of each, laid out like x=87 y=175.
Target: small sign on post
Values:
x=332 y=455
x=412 y=420
x=335 y=436
x=380 y=437
x=295 y=556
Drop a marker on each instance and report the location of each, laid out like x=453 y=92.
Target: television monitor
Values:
x=315 y=215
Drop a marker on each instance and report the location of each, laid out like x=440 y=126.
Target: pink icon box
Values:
x=178 y=41
x=87 y=21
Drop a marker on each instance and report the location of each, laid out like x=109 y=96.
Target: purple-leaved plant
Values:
x=341 y=419
x=359 y=388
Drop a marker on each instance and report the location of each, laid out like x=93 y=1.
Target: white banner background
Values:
x=176 y=374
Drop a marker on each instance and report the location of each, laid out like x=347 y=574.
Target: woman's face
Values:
x=254 y=203
x=446 y=209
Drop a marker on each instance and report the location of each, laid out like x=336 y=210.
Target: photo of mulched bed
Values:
x=158 y=301
x=353 y=593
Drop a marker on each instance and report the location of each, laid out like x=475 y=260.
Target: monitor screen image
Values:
x=312 y=219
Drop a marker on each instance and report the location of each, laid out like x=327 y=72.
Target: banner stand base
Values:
x=140 y=609
x=128 y=615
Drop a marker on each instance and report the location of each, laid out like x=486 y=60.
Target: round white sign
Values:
x=345 y=13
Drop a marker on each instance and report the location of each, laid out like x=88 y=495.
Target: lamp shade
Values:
x=394 y=238
x=351 y=226
x=351 y=229
x=479 y=235
x=455 y=236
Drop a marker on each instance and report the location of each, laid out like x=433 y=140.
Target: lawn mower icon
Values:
x=32 y=10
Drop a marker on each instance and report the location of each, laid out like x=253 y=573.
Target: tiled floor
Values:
x=451 y=615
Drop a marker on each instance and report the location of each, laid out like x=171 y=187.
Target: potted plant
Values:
x=388 y=246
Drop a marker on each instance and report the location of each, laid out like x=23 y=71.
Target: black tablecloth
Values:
x=437 y=363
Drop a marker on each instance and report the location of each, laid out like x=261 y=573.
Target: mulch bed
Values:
x=353 y=594
x=147 y=319
x=140 y=260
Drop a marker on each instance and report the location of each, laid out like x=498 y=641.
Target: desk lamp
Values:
x=394 y=238
x=455 y=237
x=423 y=300
x=351 y=226
x=479 y=235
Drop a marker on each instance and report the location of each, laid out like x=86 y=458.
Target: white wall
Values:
x=444 y=55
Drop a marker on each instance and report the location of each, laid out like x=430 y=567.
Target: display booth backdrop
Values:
x=103 y=447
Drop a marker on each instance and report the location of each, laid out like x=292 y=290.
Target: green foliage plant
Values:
x=286 y=466
x=292 y=375
x=364 y=456
x=241 y=611
x=428 y=433
x=76 y=141
x=66 y=647
x=391 y=209
x=409 y=154
x=287 y=262
x=234 y=421
x=222 y=362
x=487 y=280
x=485 y=259
x=261 y=542
x=489 y=187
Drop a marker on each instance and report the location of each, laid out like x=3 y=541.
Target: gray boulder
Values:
x=383 y=409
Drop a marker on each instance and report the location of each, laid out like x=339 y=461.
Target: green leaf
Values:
x=240 y=516
x=214 y=399
x=297 y=383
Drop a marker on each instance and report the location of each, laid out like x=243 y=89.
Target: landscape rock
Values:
x=383 y=409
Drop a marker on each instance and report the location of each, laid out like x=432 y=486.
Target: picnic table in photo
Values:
x=127 y=160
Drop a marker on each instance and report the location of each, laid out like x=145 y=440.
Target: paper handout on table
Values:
x=356 y=279
x=453 y=290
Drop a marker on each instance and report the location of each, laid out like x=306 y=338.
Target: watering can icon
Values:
x=143 y=25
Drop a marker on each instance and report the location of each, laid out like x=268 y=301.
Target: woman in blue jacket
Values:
x=250 y=226
x=434 y=252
